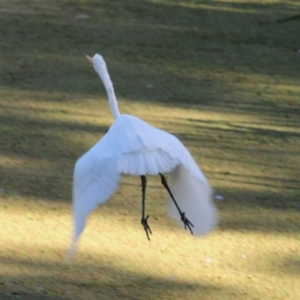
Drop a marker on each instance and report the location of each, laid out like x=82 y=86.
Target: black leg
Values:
x=144 y=220
x=186 y=222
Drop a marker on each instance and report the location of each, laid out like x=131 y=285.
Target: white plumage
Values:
x=132 y=146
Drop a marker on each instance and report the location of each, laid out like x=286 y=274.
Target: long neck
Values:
x=113 y=103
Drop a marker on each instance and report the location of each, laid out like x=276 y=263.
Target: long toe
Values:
x=147 y=229
x=187 y=223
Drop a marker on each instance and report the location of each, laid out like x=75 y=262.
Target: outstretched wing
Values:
x=194 y=197
x=95 y=180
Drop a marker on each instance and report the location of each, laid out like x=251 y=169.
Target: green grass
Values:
x=221 y=75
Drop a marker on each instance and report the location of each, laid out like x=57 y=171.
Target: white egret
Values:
x=132 y=146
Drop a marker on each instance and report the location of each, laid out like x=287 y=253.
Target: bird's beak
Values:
x=89 y=59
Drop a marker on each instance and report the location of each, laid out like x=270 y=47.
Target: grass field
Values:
x=224 y=76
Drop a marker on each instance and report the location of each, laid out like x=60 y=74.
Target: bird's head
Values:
x=96 y=59
x=98 y=62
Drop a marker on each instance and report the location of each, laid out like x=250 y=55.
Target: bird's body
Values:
x=132 y=146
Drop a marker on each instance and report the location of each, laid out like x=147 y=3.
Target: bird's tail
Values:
x=194 y=198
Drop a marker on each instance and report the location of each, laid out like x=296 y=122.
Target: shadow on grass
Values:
x=291 y=264
x=170 y=47
x=52 y=143
x=101 y=280
x=44 y=138
x=256 y=181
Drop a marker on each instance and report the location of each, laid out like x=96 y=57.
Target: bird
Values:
x=132 y=146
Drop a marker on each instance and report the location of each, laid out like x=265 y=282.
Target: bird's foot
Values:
x=147 y=229
x=186 y=222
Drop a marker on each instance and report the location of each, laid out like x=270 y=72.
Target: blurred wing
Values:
x=194 y=197
x=95 y=180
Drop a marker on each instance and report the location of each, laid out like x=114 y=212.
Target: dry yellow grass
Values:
x=253 y=255
x=115 y=261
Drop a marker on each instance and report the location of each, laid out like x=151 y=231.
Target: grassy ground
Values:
x=221 y=75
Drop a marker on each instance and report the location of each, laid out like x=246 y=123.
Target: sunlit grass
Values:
x=237 y=6
x=231 y=262
x=244 y=258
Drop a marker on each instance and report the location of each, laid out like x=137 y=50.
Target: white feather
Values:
x=132 y=146
x=95 y=180
x=194 y=197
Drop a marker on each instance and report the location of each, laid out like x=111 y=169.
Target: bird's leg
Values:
x=186 y=222
x=144 y=220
